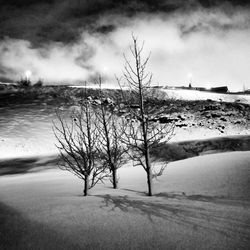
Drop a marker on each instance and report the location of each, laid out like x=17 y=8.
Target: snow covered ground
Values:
x=202 y=95
x=186 y=94
x=199 y=203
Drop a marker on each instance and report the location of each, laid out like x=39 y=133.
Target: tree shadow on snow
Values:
x=196 y=217
x=149 y=208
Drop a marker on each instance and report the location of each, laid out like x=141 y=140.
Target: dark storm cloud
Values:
x=216 y=20
x=64 y=20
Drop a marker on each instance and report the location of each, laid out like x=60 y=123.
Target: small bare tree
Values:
x=77 y=143
x=111 y=148
x=142 y=130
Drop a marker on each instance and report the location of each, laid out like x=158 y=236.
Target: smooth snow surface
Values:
x=199 y=203
x=185 y=94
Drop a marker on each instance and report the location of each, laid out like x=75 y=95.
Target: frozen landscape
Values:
x=201 y=199
x=124 y=125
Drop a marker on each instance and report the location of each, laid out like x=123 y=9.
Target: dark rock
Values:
x=182 y=124
x=134 y=106
x=167 y=119
x=122 y=111
x=211 y=107
x=181 y=117
x=237 y=122
x=108 y=101
x=224 y=119
x=216 y=115
x=241 y=107
x=231 y=113
x=206 y=114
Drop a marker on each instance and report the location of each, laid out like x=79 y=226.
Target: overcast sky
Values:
x=206 y=42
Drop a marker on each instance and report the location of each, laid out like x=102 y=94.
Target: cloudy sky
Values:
x=68 y=41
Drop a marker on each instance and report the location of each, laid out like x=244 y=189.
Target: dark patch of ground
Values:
x=167 y=152
x=24 y=165
x=18 y=232
x=186 y=149
x=50 y=95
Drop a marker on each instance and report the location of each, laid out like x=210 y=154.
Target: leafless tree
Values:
x=111 y=148
x=78 y=145
x=142 y=130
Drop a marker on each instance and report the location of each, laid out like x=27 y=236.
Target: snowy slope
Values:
x=199 y=203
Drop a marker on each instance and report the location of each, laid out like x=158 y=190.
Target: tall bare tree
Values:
x=111 y=148
x=77 y=142
x=142 y=130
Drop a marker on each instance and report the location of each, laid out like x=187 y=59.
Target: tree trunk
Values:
x=114 y=178
x=86 y=185
x=149 y=177
x=149 y=172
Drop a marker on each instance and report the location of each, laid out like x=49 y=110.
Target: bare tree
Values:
x=111 y=148
x=77 y=143
x=142 y=130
